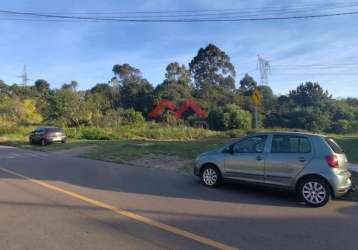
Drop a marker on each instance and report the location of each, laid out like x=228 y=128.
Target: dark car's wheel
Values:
x=43 y=142
x=210 y=176
x=31 y=141
x=314 y=192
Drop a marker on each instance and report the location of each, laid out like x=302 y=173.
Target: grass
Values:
x=120 y=151
x=350 y=146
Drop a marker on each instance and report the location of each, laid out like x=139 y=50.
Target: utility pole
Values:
x=24 y=76
x=264 y=68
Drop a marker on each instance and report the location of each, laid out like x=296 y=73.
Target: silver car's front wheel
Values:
x=315 y=192
x=210 y=176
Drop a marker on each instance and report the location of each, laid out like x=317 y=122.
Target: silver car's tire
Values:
x=314 y=192
x=210 y=176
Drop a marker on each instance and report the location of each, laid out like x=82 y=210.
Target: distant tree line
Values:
x=209 y=79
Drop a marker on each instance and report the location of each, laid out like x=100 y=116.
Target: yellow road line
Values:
x=131 y=215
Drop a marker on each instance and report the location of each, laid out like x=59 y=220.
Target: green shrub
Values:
x=75 y=133
x=89 y=133
x=340 y=127
x=230 y=117
x=130 y=116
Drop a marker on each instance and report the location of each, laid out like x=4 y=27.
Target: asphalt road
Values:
x=52 y=201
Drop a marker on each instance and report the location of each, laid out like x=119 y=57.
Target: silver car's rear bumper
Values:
x=341 y=183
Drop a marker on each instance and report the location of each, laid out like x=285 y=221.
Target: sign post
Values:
x=256 y=99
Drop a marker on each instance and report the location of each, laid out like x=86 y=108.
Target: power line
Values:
x=295 y=6
x=51 y=17
x=316 y=65
x=225 y=12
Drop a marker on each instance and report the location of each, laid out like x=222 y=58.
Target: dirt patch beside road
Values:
x=75 y=152
x=167 y=162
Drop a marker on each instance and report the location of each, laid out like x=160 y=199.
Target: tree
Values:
x=67 y=107
x=309 y=94
x=3 y=86
x=247 y=85
x=212 y=67
x=176 y=87
x=268 y=99
x=110 y=93
x=30 y=114
x=101 y=88
x=177 y=74
x=42 y=86
x=20 y=112
x=136 y=92
x=72 y=85
x=215 y=96
x=125 y=71
x=173 y=92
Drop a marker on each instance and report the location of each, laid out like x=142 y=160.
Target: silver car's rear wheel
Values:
x=210 y=176
x=315 y=192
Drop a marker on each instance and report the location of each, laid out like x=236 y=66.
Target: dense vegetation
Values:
x=122 y=104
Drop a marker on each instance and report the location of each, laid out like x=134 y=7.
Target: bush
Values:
x=230 y=117
x=95 y=134
x=308 y=118
x=130 y=116
x=120 y=117
x=147 y=131
x=87 y=133
x=340 y=127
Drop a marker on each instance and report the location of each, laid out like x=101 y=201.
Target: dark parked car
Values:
x=47 y=135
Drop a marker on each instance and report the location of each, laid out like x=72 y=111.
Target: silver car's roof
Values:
x=286 y=133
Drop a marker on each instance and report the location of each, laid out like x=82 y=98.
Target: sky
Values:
x=60 y=52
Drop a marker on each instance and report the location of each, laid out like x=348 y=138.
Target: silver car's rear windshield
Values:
x=334 y=146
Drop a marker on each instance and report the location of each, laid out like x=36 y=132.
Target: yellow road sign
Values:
x=256 y=97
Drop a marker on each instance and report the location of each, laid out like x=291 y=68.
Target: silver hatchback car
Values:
x=312 y=165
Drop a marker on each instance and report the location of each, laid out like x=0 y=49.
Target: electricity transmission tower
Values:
x=264 y=67
x=24 y=76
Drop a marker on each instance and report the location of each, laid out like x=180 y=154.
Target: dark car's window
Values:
x=334 y=146
x=53 y=130
x=39 y=130
x=255 y=144
x=290 y=144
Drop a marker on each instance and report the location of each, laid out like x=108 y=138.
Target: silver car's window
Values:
x=290 y=144
x=254 y=144
x=334 y=146
x=305 y=145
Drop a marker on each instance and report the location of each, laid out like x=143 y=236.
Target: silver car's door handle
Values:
x=302 y=159
x=259 y=158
